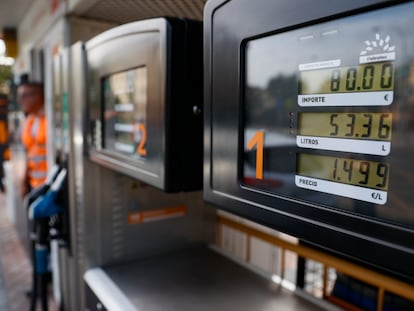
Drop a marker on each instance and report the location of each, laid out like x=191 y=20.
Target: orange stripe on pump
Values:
x=155 y=215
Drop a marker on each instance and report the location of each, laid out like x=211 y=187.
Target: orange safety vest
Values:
x=34 y=139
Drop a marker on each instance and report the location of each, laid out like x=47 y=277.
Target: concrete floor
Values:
x=4 y=303
x=15 y=265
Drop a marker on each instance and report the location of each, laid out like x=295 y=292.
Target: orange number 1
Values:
x=258 y=141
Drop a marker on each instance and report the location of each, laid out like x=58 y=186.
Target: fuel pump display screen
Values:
x=364 y=132
x=125 y=112
x=375 y=77
x=328 y=111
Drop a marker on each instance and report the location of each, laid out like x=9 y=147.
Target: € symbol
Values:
x=386 y=97
x=376 y=196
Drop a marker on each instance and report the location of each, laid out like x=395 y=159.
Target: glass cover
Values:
x=328 y=114
x=125 y=112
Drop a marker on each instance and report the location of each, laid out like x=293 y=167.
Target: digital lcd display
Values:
x=326 y=114
x=356 y=125
x=343 y=176
x=361 y=132
x=125 y=112
x=372 y=77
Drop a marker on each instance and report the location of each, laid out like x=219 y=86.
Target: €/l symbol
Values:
x=376 y=196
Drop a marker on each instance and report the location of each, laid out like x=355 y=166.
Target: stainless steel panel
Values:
x=194 y=279
x=148 y=41
x=104 y=202
x=122 y=197
x=64 y=279
x=111 y=198
x=69 y=272
x=76 y=165
x=110 y=294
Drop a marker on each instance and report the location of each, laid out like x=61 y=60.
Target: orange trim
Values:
x=381 y=294
x=155 y=215
x=376 y=279
x=342 y=303
x=325 y=281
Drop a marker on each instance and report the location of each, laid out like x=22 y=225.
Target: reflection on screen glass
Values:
x=125 y=112
x=328 y=113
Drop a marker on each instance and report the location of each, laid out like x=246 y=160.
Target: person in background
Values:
x=34 y=135
x=4 y=137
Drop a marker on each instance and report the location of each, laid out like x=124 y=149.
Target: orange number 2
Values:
x=141 y=147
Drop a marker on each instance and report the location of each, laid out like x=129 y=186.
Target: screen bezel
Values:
x=149 y=43
x=378 y=243
x=303 y=194
x=112 y=152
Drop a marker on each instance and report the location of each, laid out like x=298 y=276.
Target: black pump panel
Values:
x=308 y=122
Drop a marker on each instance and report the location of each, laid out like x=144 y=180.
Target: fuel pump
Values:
x=44 y=204
x=56 y=203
